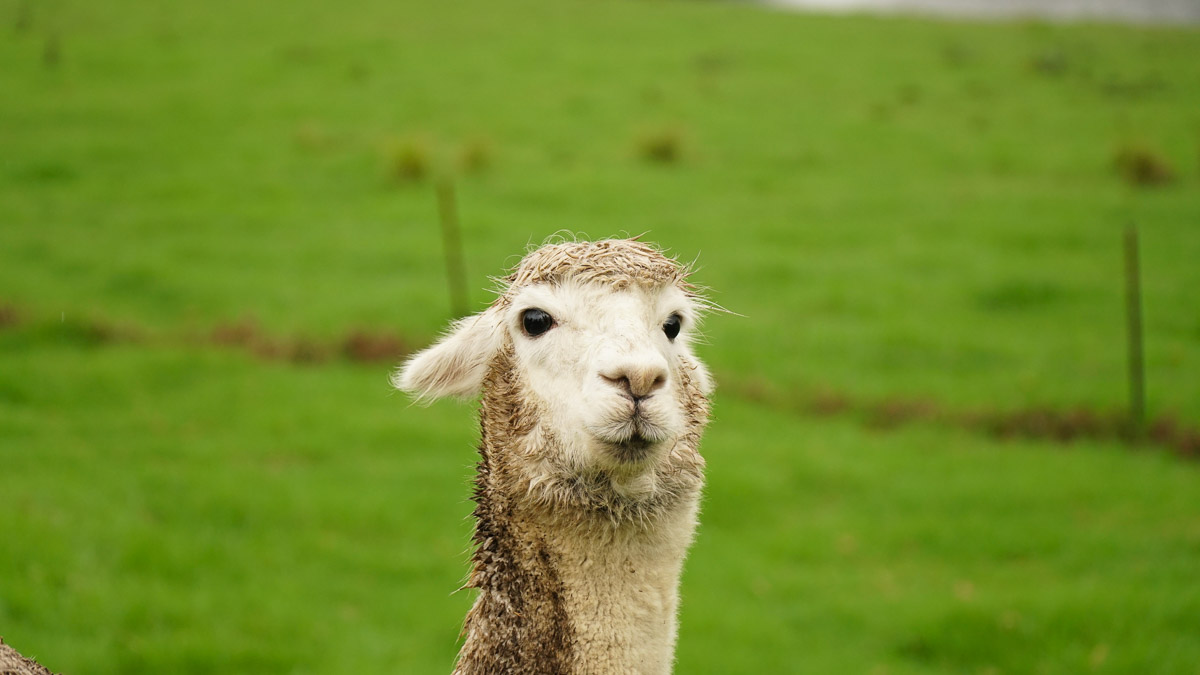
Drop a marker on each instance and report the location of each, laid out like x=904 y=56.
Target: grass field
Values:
x=200 y=203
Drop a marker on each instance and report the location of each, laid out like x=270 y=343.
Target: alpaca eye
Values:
x=671 y=326
x=535 y=322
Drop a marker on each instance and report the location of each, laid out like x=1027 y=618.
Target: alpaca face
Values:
x=608 y=368
x=597 y=338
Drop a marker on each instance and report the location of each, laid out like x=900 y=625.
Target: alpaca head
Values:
x=594 y=339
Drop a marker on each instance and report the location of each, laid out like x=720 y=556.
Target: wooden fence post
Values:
x=456 y=276
x=1133 y=318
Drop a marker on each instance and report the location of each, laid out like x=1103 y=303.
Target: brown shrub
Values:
x=410 y=160
x=475 y=155
x=665 y=145
x=1142 y=166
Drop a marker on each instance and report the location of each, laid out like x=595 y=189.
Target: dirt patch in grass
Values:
x=9 y=316
x=246 y=334
x=895 y=412
x=826 y=403
x=1062 y=426
x=359 y=345
x=1044 y=423
x=1170 y=432
x=366 y=346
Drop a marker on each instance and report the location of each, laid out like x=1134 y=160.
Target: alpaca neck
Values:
x=620 y=591
x=576 y=573
x=566 y=589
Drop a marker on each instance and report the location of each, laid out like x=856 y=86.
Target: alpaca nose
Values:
x=637 y=380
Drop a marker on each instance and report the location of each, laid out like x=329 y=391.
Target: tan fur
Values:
x=12 y=663
x=577 y=566
x=616 y=261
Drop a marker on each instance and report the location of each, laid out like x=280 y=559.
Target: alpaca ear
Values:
x=457 y=363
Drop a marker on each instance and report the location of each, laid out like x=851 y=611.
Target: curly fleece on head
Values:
x=619 y=262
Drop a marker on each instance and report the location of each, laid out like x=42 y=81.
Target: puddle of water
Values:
x=1126 y=11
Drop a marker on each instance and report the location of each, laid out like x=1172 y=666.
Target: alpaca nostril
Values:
x=637 y=384
x=648 y=381
x=620 y=382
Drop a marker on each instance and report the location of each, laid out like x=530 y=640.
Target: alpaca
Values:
x=12 y=663
x=589 y=481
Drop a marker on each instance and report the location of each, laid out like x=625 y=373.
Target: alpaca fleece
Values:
x=12 y=663
x=619 y=262
x=577 y=552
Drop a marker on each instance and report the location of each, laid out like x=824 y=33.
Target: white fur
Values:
x=455 y=366
x=602 y=333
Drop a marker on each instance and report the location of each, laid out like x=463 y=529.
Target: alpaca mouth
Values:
x=631 y=438
x=633 y=449
x=635 y=439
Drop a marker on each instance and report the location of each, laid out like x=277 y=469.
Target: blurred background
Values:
x=220 y=229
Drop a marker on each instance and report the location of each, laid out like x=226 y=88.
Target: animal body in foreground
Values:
x=589 y=479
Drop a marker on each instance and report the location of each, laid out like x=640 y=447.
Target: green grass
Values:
x=897 y=207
